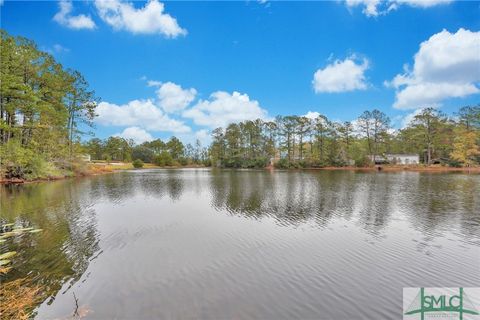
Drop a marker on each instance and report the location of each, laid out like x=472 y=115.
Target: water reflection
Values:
x=292 y=198
x=228 y=243
x=62 y=252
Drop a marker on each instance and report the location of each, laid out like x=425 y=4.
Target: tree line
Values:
x=299 y=141
x=162 y=153
x=42 y=108
x=45 y=107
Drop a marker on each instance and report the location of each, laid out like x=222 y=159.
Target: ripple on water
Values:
x=245 y=244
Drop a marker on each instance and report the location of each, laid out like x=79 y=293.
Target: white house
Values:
x=396 y=158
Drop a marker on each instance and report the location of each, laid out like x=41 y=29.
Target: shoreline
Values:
x=431 y=169
x=96 y=170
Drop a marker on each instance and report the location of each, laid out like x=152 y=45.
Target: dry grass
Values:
x=18 y=299
x=98 y=169
x=120 y=166
x=5 y=270
x=108 y=167
x=103 y=167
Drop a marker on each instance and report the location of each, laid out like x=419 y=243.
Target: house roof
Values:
x=396 y=155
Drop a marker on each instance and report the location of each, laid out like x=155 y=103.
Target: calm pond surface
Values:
x=220 y=244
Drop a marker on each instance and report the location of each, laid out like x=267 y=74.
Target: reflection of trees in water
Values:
x=161 y=183
x=114 y=187
x=445 y=202
x=432 y=203
x=63 y=250
x=122 y=186
x=290 y=197
x=375 y=195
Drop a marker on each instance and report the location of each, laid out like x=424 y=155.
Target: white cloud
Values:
x=171 y=97
x=421 y=3
x=312 y=115
x=141 y=113
x=370 y=6
x=223 y=108
x=431 y=94
x=65 y=18
x=374 y=8
x=446 y=66
x=202 y=135
x=405 y=120
x=341 y=76
x=152 y=83
x=136 y=134
x=151 y=19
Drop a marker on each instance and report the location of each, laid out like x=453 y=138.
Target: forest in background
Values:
x=43 y=106
x=296 y=141
x=301 y=142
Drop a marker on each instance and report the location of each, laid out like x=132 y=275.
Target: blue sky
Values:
x=183 y=68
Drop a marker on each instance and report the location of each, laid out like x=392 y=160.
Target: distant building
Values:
x=405 y=159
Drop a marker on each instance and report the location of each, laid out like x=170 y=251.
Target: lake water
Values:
x=220 y=244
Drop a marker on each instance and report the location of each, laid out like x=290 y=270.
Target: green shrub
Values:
x=22 y=163
x=207 y=163
x=303 y=164
x=261 y=162
x=319 y=164
x=363 y=162
x=137 y=163
x=183 y=161
x=163 y=159
x=282 y=164
x=454 y=163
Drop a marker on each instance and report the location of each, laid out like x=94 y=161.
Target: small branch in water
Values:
x=75 y=313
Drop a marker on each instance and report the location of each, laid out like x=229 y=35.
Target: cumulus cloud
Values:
x=140 y=113
x=374 y=8
x=136 y=134
x=446 y=66
x=172 y=97
x=65 y=18
x=341 y=76
x=151 y=19
x=223 y=108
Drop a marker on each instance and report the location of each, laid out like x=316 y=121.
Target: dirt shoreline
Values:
x=432 y=169
x=95 y=169
x=98 y=170
x=49 y=179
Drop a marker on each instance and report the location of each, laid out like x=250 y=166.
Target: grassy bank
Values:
x=97 y=168
x=82 y=169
